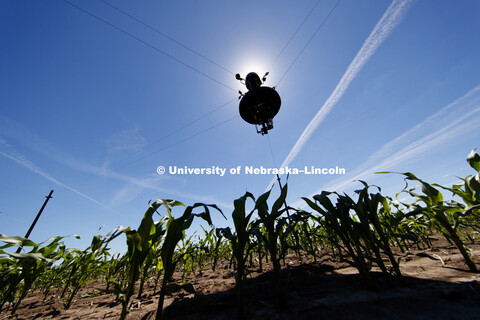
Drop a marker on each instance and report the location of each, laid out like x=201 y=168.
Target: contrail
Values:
x=451 y=122
x=21 y=160
x=389 y=21
x=31 y=140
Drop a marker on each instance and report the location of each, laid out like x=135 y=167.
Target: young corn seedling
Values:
x=368 y=208
x=142 y=243
x=449 y=217
x=340 y=220
x=308 y=233
x=269 y=219
x=174 y=233
x=469 y=192
x=189 y=253
x=446 y=217
x=19 y=271
x=291 y=233
x=239 y=241
x=211 y=244
x=155 y=240
x=83 y=264
x=112 y=268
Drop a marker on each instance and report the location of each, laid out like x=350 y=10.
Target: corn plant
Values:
x=371 y=208
x=259 y=233
x=327 y=237
x=82 y=264
x=339 y=219
x=445 y=216
x=19 y=271
x=309 y=234
x=175 y=231
x=357 y=224
x=153 y=252
x=211 y=244
x=239 y=241
x=189 y=254
x=112 y=268
x=469 y=189
x=469 y=192
x=204 y=251
x=142 y=244
x=290 y=234
x=274 y=228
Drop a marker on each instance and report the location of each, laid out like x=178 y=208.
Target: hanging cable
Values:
x=155 y=48
x=271 y=150
x=310 y=40
x=148 y=44
x=166 y=36
x=192 y=122
x=165 y=148
x=178 y=142
x=294 y=34
x=114 y=164
x=182 y=127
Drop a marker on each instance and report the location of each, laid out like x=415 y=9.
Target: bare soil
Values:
x=325 y=289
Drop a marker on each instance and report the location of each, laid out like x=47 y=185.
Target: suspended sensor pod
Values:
x=260 y=104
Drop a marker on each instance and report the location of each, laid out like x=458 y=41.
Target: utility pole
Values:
x=36 y=218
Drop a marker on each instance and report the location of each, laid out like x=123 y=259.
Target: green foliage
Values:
x=19 y=271
x=142 y=245
x=175 y=231
x=240 y=248
x=445 y=217
x=274 y=227
x=356 y=228
x=363 y=228
x=79 y=266
x=449 y=217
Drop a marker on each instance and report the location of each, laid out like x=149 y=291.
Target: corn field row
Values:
x=366 y=229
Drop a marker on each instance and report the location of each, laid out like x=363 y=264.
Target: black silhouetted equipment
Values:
x=260 y=104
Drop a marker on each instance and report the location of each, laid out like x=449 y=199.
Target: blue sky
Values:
x=91 y=108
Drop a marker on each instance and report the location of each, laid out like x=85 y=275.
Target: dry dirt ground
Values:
x=326 y=289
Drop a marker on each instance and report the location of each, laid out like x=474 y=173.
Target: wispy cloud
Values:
x=135 y=186
x=445 y=119
x=451 y=122
x=9 y=153
x=17 y=132
x=389 y=21
x=127 y=140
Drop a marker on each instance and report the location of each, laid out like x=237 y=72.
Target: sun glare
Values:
x=257 y=65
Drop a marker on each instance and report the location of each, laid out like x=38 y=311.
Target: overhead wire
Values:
x=147 y=44
x=191 y=122
x=113 y=165
x=166 y=147
x=288 y=43
x=295 y=60
x=171 y=57
x=180 y=141
x=294 y=34
x=197 y=70
x=309 y=41
x=177 y=130
x=166 y=36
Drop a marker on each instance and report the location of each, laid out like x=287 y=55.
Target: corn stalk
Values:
x=174 y=233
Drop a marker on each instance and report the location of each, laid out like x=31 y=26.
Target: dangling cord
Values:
x=278 y=177
x=271 y=150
